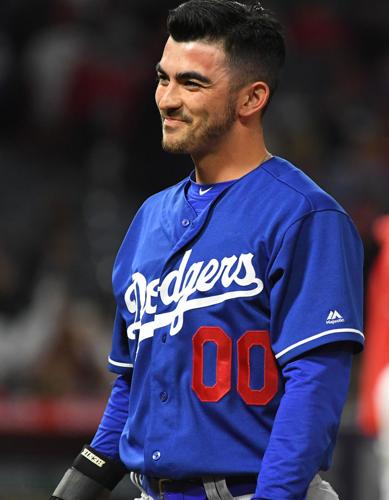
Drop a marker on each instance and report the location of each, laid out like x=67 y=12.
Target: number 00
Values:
x=222 y=385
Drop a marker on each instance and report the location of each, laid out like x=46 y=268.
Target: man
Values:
x=238 y=291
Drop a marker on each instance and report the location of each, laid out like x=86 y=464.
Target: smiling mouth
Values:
x=170 y=122
x=172 y=119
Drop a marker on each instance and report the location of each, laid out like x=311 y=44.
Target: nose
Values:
x=168 y=97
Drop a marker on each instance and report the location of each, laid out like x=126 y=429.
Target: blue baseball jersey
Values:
x=211 y=307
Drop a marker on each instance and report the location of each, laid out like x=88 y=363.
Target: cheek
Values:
x=198 y=108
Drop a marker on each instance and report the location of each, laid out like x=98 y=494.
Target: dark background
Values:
x=80 y=150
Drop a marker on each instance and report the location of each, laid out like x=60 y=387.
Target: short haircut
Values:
x=252 y=37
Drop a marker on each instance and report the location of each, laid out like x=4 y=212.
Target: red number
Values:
x=270 y=374
x=246 y=342
x=223 y=363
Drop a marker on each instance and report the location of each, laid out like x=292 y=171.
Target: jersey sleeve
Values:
x=304 y=431
x=107 y=437
x=316 y=280
x=119 y=358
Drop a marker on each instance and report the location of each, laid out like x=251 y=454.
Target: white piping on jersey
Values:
x=317 y=336
x=178 y=285
x=116 y=363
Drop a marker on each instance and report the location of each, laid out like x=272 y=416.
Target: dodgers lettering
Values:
x=179 y=285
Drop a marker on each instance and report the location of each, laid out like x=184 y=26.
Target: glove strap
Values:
x=103 y=470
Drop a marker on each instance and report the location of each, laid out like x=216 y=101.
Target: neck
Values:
x=234 y=157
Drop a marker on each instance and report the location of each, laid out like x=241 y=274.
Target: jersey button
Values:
x=164 y=337
x=163 y=396
x=156 y=455
x=185 y=222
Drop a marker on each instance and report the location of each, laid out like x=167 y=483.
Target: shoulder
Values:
x=159 y=199
x=278 y=196
x=297 y=189
x=159 y=204
x=304 y=211
x=154 y=212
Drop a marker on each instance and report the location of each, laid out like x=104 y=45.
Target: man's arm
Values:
x=307 y=421
x=98 y=469
x=106 y=439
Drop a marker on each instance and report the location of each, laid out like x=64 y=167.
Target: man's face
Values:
x=193 y=96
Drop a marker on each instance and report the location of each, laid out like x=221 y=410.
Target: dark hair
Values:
x=252 y=37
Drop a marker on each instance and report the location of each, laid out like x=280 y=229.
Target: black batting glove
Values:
x=91 y=477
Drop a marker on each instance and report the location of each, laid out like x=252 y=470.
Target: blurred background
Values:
x=80 y=150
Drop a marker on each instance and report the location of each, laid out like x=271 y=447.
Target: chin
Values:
x=175 y=147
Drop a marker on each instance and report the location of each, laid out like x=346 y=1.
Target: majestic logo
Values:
x=236 y=274
x=334 y=317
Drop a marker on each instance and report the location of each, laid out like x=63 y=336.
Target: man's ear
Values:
x=253 y=98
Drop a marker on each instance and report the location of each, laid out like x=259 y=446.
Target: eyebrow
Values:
x=186 y=75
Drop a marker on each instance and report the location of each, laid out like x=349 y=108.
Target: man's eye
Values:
x=161 y=79
x=190 y=83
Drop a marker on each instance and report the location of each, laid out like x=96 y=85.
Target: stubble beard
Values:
x=204 y=138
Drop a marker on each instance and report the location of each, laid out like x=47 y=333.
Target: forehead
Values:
x=204 y=57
